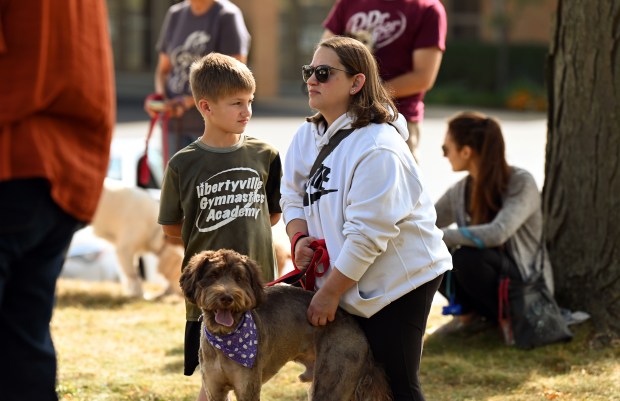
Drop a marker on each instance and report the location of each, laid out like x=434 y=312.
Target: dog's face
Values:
x=224 y=284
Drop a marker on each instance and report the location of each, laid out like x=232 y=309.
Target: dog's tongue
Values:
x=224 y=317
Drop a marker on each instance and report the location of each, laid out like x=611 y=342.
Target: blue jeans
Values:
x=34 y=237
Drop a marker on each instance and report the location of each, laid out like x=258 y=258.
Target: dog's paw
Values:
x=133 y=290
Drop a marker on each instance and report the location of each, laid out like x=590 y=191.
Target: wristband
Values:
x=155 y=102
x=298 y=235
x=467 y=234
x=155 y=96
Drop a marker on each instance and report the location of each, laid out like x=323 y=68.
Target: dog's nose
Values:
x=226 y=299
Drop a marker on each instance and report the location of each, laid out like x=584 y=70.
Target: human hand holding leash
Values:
x=154 y=104
x=302 y=254
x=175 y=107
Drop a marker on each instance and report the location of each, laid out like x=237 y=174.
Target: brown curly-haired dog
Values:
x=227 y=287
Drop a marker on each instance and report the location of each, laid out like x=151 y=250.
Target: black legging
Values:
x=396 y=333
x=475 y=279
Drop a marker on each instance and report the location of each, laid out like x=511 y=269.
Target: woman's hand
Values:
x=154 y=104
x=303 y=252
x=175 y=107
x=323 y=306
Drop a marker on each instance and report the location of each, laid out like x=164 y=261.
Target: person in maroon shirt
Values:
x=407 y=37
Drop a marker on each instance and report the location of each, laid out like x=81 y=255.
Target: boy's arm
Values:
x=172 y=233
x=272 y=189
x=274 y=218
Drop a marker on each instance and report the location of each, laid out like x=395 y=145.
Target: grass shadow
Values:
x=175 y=351
x=478 y=366
x=91 y=295
x=92 y=301
x=176 y=365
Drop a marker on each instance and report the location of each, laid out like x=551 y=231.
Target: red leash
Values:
x=504 y=310
x=144 y=175
x=317 y=267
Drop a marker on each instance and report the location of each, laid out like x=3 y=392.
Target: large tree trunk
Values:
x=581 y=196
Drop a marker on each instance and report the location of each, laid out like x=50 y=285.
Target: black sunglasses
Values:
x=444 y=149
x=321 y=72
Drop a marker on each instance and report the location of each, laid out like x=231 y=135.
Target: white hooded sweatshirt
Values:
x=368 y=202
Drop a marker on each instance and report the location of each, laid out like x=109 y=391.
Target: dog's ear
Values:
x=192 y=273
x=256 y=282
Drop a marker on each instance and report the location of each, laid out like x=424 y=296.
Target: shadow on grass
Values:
x=481 y=366
x=175 y=351
x=174 y=367
x=94 y=299
x=177 y=364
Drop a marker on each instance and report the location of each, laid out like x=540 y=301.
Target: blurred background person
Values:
x=498 y=217
x=56 y=120
x=393 y=29
x=192 y=29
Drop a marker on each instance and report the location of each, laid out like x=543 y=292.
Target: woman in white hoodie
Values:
x=368 y=202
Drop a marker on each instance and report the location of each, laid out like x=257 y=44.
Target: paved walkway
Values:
x=276 y=122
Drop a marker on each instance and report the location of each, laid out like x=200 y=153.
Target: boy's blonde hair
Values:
x=216 y=75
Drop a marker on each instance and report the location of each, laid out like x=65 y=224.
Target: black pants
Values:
x=396 y=334
x=475 y=279
x=34 y=236
x=192 y=347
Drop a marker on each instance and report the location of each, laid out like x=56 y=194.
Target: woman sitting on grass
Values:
x=496 y=208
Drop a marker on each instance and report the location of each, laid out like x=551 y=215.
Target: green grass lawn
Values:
x=113 y=349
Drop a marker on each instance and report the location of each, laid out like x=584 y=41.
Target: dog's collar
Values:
x=241 y=345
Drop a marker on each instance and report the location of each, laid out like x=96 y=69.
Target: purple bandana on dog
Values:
x=241 y=345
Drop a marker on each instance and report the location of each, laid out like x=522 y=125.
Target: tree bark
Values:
x=581 y=195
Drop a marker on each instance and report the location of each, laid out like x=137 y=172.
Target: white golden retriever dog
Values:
x=127 y=217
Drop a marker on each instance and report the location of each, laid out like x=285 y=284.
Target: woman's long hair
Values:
x=484 y=136
x=372 y=104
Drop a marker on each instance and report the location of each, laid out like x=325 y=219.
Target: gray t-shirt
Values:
x=185 y=37
x=224 y=197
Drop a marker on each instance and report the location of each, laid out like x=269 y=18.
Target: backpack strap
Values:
x=334 y=141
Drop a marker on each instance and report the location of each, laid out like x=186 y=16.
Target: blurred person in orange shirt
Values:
x=56 y=120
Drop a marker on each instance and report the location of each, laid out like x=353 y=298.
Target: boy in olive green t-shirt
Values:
x=223 y=190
